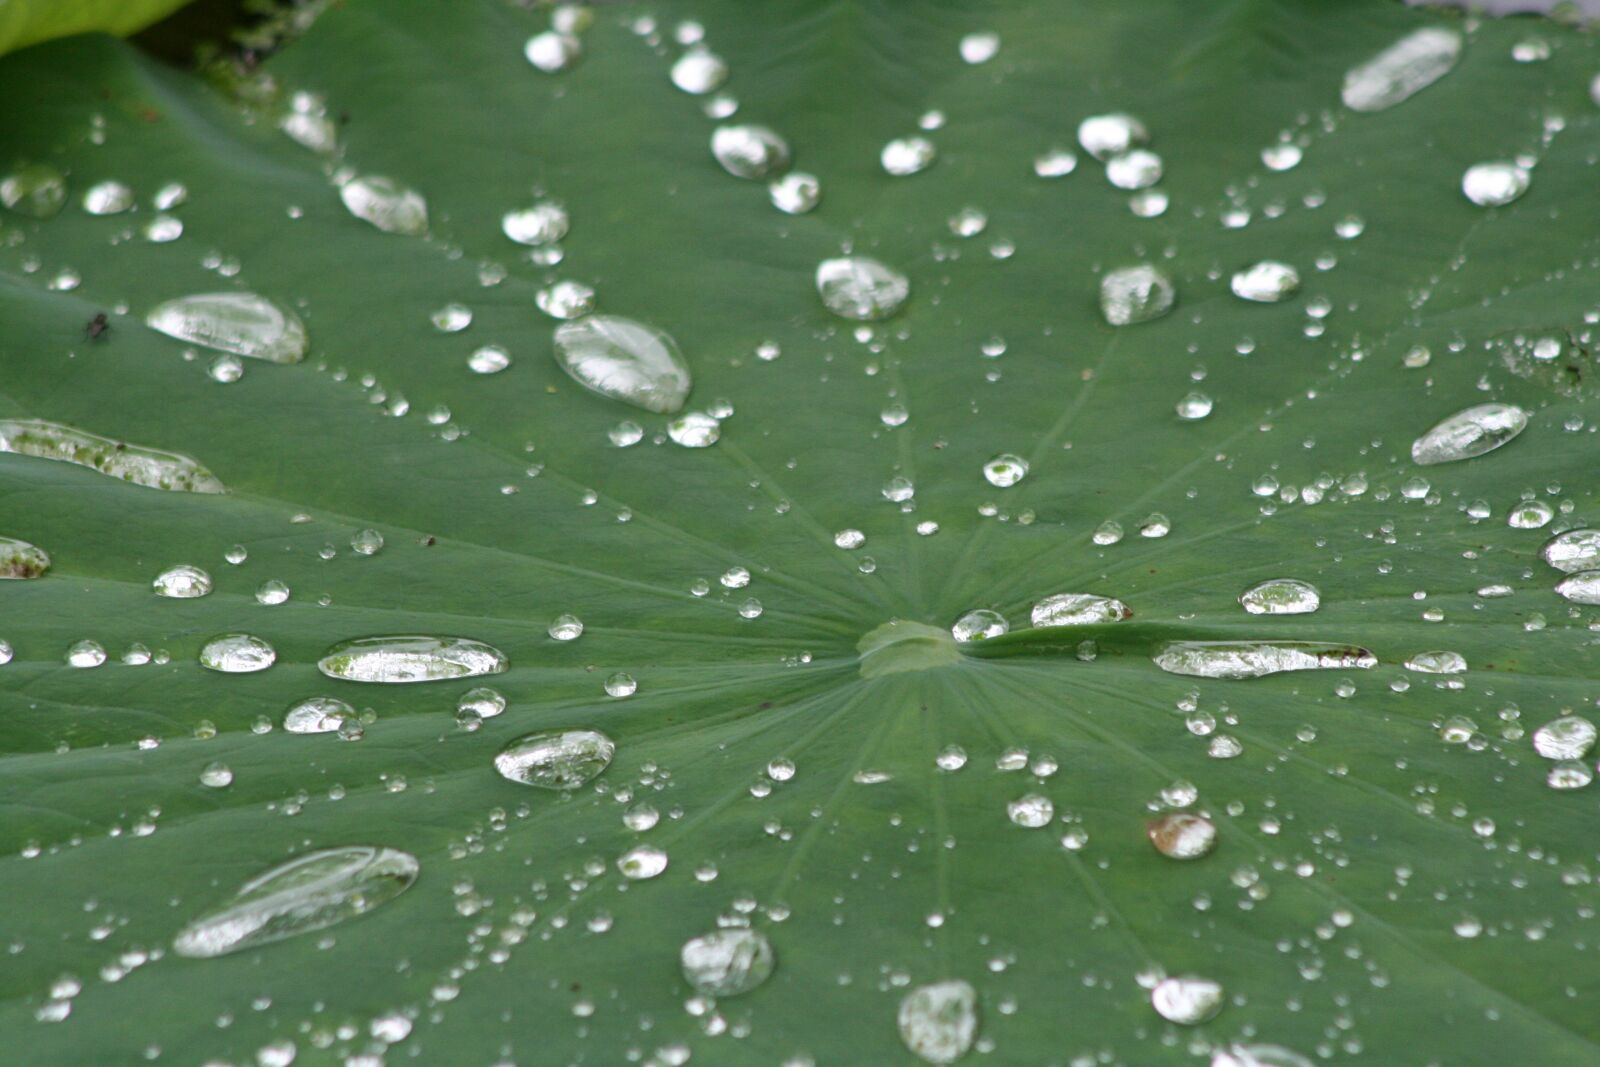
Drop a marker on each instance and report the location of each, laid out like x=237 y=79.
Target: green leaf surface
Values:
x=25 y=22
x=1393 y=880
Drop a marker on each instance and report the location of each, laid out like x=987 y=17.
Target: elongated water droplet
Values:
x=1281 y=596
x=1187 y=999
x=856 y=287
x=939 y=1021
x=318 y=715
x=1254 y=659
x=1104 y=136
x=1567 y=738
x=979 y=625
x=243 y=324
x=19 y=559
x=310 y=892
x=34 y=189
x=1494 y=184
x=1137 y=294
x=1572 y=551
x=624 y=360
x=1258 y=1056
x=108 y=198
x=1078 y=609
x=237 y=654
x=386 y=203
x=1469 y=433
x=1582 y=587
x=727 y=963
x=561 y=759
x=407 y=658
x=1266 y=282
x=753 y=152
x=148 y=467
x=1182 y=835
x=1403 y=69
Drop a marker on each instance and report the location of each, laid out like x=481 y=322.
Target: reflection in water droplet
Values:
x=244 y=324
x=979 y=625
x=1078 y=609
x=1267 y=282
x=562 y=759
x=939 y=1021
x=642 y=862
x=19 y=559
x=1573 y=551
x=318 y=715
x=750 y=151
x=553 y=52
x=411 y=659
x=1137 y=294
x=544 y=223
x=1005 y=470
x=308 y=893
x=387 y=204
x=1254 y=659
x=1187 y=1000
x=624 y=360
x=856 y=287
x=728 y=962
x=1530 y=515
x=1104 y=136
x=1182 y=835
x=34 y=189
x=237 y=654
x=1494 y=184
x=1281 y=596
x=1406 y=67
x=795 y=193
x=1469 y=433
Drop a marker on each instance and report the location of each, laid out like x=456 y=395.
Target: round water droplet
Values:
x=83 y=654
x=387 y=204
x=728 y=962
x=565 y=300
x=1472 y=432
x=1267 y=282
x=108 y=198
x=406 y=658
x=562 y=759
x=1136 y=294
x=490 y=359
x=482 y=702
x=216 y=776
x=1533 y=514
x=938 y=1022
x=1104 y=136
x=1280 y=157
x=237 y=654
x=1138 y=168
x=272 y=592
x=796 y=193
x=1281 y=596
x=542 y=224
x=311 y=892
x=753 y=152
x=553 y=52
x=856 y=287
x=366 y=542
x=452 y=318
x=1031 y=812
x=908 y=155
x=979 y=625
x=1187 y=1000
x=1567 y=738
x=694 y=429
x=1005 y=470
x=849 y=539
x=979 y=47
x=642 y=862
x=1495 y=184
x=1194 y=406
x=1056 y=163
x=182 y=581
x=620 y=685
x=699 y=71
x=318 y=715
x=624 y=360
x=1182 y=835
x=1437 y=662
x=243 y=324
x=1580 y=588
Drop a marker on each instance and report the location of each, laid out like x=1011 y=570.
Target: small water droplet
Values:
x=565 y=299
x=1055 y=163
x=1194 y=407
x=1031 y=812
x=1005 y=470
x=699 y=71
x=552 y=51
x=83 y=654
x=905 y=156
x=1182 y=835
x=642 y=862
x=979 y=47
x=694 y=429
x=37 y=190
x=108 y=198
x=1138 y=168
x=182 y=581
x=216 y=775
x=542 y=224
x=621 y=685
x=1104 y=136
x=318 y=715
x=490 y=359
x=796 y=193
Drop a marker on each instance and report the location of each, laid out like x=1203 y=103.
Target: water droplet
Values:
x=1194 y=406
x=905 y=156
x=411 y=659
x=19 y=559
x=641 y=862
x=386 y=203
x=1580 y=588
x=939 y=1021
x=699 y=71
x=979 y=47
x=37 y=190
x=561 y=759
x=1107 y=533
x=1469 y=433
x=1078 y=609
x=856 y=287
x=1572 y=551
x=1254 y=659
x=1139 y=168
x=753 y=152
x=108 y=198
x=1182 y=835
x=553 y=52
x=1267 y=282
x=1281 y=157
x=1187 y=1000
x=1568 y=738
x=544 y=223
x=490 y=359
x=565 y=299
x=1056 y=163
x=1031 y=812
x=1258 y=1056
x=1104 y=136
x=1437 y=662
x=318 y=715
x=728 y=962
x=1281 y=596
x=1005 y=470
x=1135 y=294
x=216 y=776
x=272 y=592
x=796 y=193
x=694 y=429
x=243 y=324
x=979 y=625
x=310 y=892
x=1403 y=69
x=182 y=581
x=624 y=360
x=237 y=654
x=1495 y=184
x=621 y=685
x=1531 y=515
x=83 y=654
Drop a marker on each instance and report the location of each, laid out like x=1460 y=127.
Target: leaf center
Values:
x=899 y=646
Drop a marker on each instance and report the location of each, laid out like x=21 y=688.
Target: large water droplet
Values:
x=1104 y=136
x=108 y=198
x=795 y=193
x=237 y=654
x=19 y=559
x=148 y=467
x=979 y=625
x=750 y=151
x=561 y=759
x=243 y=324
x=1187 y=999
x=1469 y=433
x=1266 y=282
x=726 y=963
x=318 y=715
x=34 y=189
x=1569 y=737
x=642 y=862
x=1136 y=294
x=939 y=1021
x=1182 y=835
x=1281 y=596
x=1437 y=662
x=699 y=71
x=411 y=659
x=856 y=287
x=1005 y=470
x=624 y=360
x=1494 y=184
x=1254 y=659
x=386 y=203
x=1078 y=609
x=1031 y=812
x=1572 y=551
x=905 y=156
x=544 y=223
x=308 y=893
x=1406 y=67
x=1580 y=588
